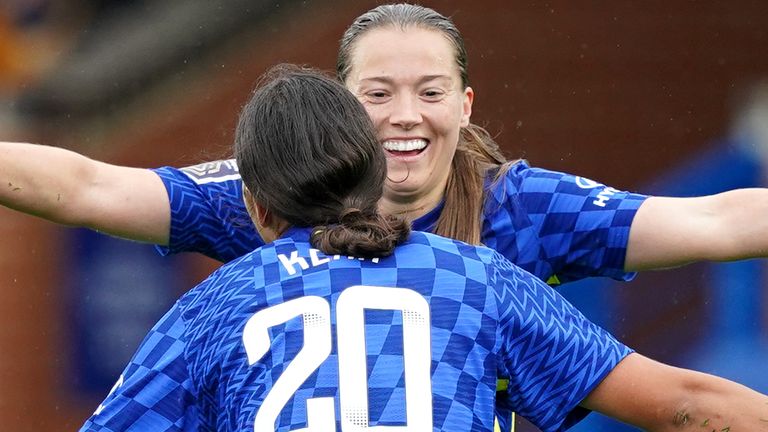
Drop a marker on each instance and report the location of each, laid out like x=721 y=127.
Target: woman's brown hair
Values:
x=477 y=153
x=307 y=152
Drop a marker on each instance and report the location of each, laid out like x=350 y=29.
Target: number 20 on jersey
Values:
x=353 y=382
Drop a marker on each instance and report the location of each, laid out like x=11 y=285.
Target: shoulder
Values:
x=506 y=183
x=212 y=172
x=424 y=245
x=536 y=188
x=222 y=282
x=521 y=175
x=220 y=173
x=213 y=310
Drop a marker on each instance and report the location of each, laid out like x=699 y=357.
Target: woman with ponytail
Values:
x=324 y=182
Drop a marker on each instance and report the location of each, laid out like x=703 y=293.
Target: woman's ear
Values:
x=250 y=205
x=259 y=215
x=263 y=216
x=466 y=106
x=269 y=227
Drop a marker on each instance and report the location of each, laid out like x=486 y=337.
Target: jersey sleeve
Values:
x=154 y=392
x=208 y=215
x=558 y=226
x=554 y=357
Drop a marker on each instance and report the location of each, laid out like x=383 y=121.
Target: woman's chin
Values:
x=402 y=185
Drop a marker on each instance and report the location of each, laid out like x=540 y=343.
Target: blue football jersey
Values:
x=208 y=215
x=286 y=338
x=557 y=226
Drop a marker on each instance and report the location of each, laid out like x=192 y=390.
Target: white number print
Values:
x=317 y=346
x=353 y=381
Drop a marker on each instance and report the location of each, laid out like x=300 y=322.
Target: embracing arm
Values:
x=668 y=232
x=65 y=187
x=658 y=397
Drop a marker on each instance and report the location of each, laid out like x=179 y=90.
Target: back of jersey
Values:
x=288 y=338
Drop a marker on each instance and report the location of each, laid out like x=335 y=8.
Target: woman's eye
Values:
x=433 y=94
x=376 y=95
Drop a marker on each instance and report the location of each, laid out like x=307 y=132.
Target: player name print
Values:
x=213 y=172
x=603 y=196
x=314 y=259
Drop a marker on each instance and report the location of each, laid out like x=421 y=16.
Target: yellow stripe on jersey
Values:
x=502 y=384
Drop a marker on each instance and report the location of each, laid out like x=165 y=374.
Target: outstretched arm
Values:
x=658 y=397
x=68 y=188
x=668 y=232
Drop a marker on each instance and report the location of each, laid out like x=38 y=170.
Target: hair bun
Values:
x=351 y=215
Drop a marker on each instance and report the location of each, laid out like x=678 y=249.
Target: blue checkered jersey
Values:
x=557 y=226
x=286 y=337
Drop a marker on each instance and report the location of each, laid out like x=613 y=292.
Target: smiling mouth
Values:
x=402 y=148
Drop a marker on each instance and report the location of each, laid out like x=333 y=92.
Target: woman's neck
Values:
x=410 y=207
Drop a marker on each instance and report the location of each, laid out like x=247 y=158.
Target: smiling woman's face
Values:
x=409 y=82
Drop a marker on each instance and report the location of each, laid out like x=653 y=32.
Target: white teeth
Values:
x=405 y=145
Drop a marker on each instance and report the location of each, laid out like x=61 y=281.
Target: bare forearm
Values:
x=669 y=232
x=743 y=226
x=65 y=187
x=658 y=397
x=40 y=180
x=718 y=405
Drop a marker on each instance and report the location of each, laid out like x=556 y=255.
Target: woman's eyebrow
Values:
x=385 y=79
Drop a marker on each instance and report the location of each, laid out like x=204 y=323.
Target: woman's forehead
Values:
x=387 y=48
x=394 y=38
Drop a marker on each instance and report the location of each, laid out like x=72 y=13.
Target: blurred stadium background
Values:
x=654 y=96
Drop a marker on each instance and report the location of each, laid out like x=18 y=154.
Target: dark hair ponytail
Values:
x=358 y=234
x=307 y=152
